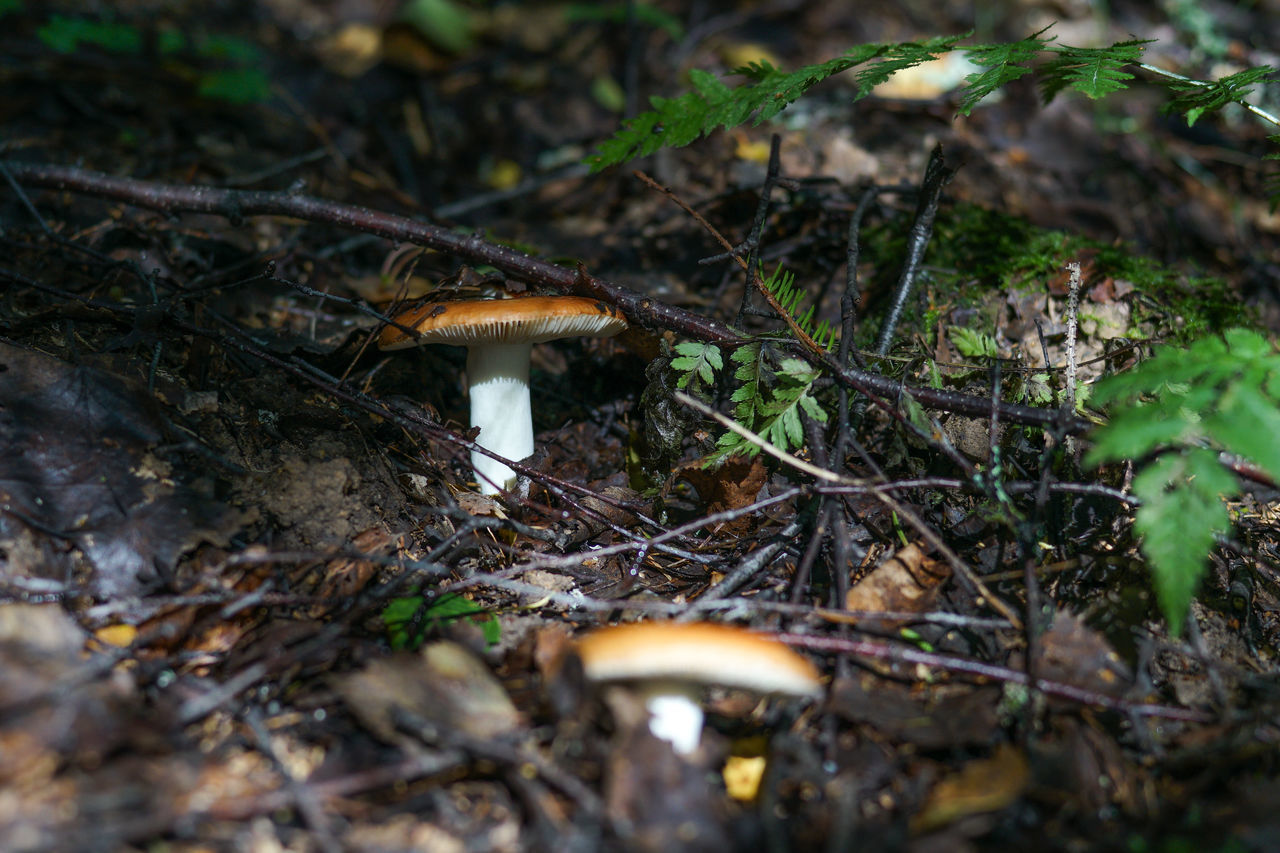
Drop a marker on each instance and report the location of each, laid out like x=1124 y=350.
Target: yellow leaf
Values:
x=116 y=635
x=753 y=151
x=742 y=775
x=504 y=175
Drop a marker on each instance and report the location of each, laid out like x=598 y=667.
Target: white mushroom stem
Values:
x=675 y=714
x=498 y=380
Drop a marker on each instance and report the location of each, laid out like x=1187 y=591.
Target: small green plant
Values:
x=644 y=13
x=770 y=401
x=772 y=391
x=67 y=35
x=229 y=67
x=972 y=344
x=1184 y=406
x=407 y=619
x=696 y=363
x=782 y=287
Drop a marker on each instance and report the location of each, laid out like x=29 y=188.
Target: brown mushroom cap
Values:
x=526 y=319
x=696 y=652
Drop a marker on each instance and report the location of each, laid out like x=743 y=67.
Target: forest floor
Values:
x=251 y=599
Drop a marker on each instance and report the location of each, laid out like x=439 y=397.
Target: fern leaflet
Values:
x=775 y=417
x=696 y=361
x=1194 y=98
x=675 y=122
x=1004 y=63
x=781 y=285
x=1092 y=71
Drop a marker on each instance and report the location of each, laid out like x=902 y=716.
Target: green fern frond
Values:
x=781 y=285
x=973 y=344
x=1219 y=394
x=1095 y=72
x=1181 y=514
x=1195 y=98
x=753 y=374
x=774 y=415
x=1091 y=71
x=710 y=104
x=1004 y=63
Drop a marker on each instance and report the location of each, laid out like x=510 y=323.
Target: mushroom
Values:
x=499 y=335
x=669 y=663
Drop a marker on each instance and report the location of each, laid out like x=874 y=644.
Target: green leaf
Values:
x=1194 y=98
x=1092 y=71
x=752 y=373
x=1135 y=432
x=1037 y=391
x=1223 y=389
x=399 y=615
x=971 y=343
x=1220 y=391
x=1181 y=513
x=696 y=360
x=66 y=35
x=1004 y=63
x=1248 y=423
x=235 y=86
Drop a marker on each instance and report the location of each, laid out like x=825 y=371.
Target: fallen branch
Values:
x=640 y=309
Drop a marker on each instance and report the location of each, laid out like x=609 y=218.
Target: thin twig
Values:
x=936 y=176
x=994 y=672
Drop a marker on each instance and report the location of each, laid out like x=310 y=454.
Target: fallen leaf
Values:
x=907 y=582
x=79 y=460
x=733 y=485
x=940 y=718
x=1074 y=653
x=985 y=785
x=444 y=684
x=119 y=636
x=742 y=775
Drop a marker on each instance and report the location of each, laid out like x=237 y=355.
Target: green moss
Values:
x=976 y=253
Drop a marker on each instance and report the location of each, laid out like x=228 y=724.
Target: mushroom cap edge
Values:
x=523 y=319
x=696 y=652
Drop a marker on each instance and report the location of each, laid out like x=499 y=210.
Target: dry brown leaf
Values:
x=907 y=582
x=444 y=684
x=1074 y=653
x=986 y=785
x=733 y=485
